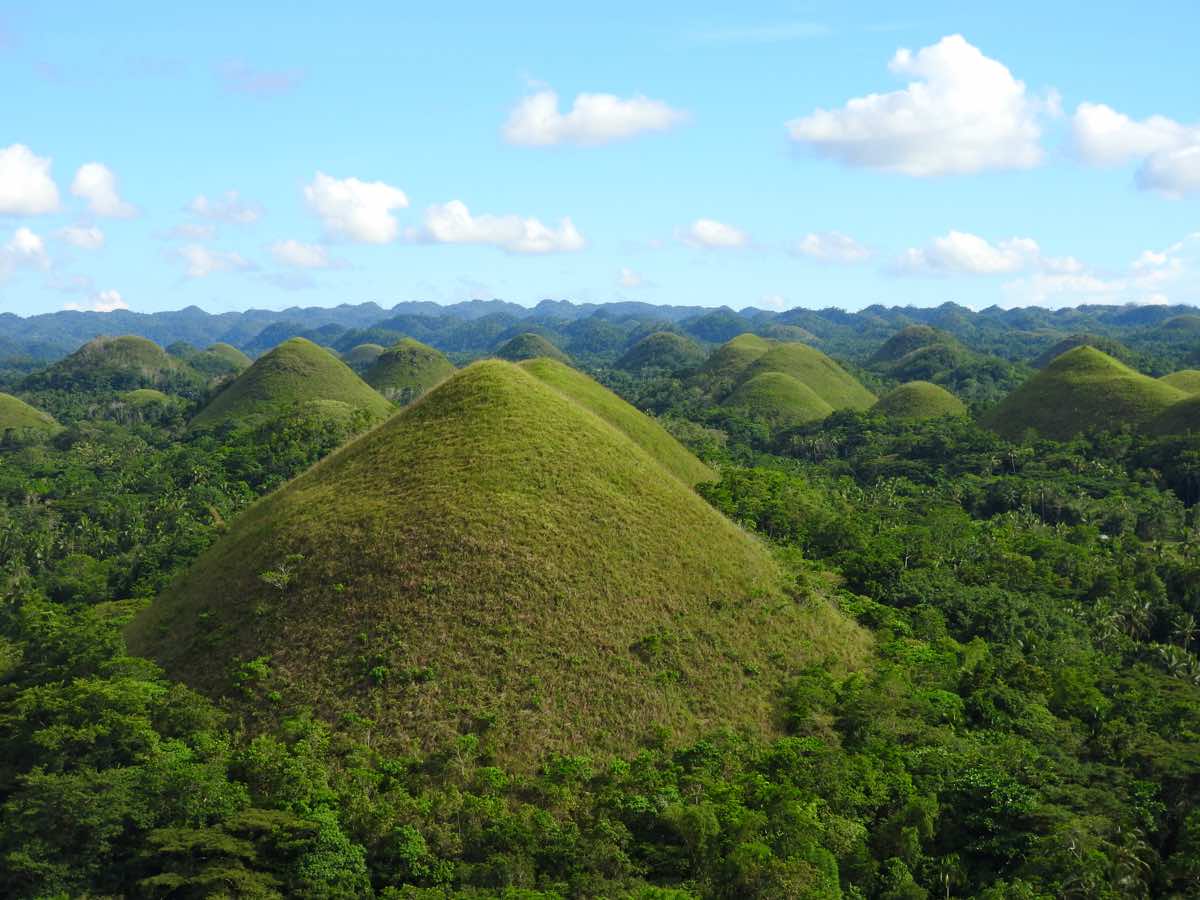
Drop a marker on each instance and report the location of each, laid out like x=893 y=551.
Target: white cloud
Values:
x=85 y=237
x=593 y=119
x=773 y=301
x=105 y=301
x=192 y=231
x=961 y=253
x=711 y=234
x=358 y=210
x=629 y=278
x=832 y=246
x=1169 y=151
x=199 y=261
x=24 y=250
x=453 y=223
x=299 y=255
x=230 y=209
x=96 y=183
x=26 y=188
x=962 y=112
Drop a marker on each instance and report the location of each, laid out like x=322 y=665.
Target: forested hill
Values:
x=604 y=331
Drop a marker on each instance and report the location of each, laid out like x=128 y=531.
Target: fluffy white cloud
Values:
x=358 y=210
x=299 y=255
x=773 y=301
x=629 y=278
x=24 y=250
x=1169 y=151
x=96 y=183
x=453 y=223
x=593 y=119
x=968 y=254
x=105 y=301
x=963 y=112
x=85 y=237
x=200 y=261
x=832 y=246
x=711 y=234
x=230 y=209
x=26 y=188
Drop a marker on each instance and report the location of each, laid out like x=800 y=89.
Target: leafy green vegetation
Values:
x=918 y=400
x=530 y=346
x=407 y=370
x=778 y=399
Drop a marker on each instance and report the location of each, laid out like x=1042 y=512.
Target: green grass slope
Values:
x=362 y=356
x=918 y=400
x=635 y=424
x=662 y=350
x=18 y=416
x=1186 y=380
x=296 y=372
x=119 y=363
x=1084 y=388
x=530 y=346
x=731 y=359
x=1182 y=417
x=495 y=559
x=407 y=370
x=236 y=359
x=910 y=339
x=779 y=400
x=811 y=367
x=1106 y=345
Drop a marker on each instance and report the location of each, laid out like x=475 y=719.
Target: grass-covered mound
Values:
x=811 y=367
x=19 y=418
x=296 y=372
x=147 y=397
x=362 y=356
x=1184 y=323
x=407 y=370
x=908 y=340
x=663 y=351
x=637 y=426
x=236 y=359
x=496 y=559
x=1186 y=380
x=779 y=400
x=117 y=363
x=1182 y=417
x=1109 y=346
x=530 y=346
x=1084 y=388
x=918 y=400
x=734 y=357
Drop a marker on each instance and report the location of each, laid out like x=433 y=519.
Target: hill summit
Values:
x=530 y=346
x=407 y=370
x=779 y=400
x=664 y=351
x=18 y=418
x=294 y=374
x=117 y=363
x=918 y=400
x=1081 y=389
x=498 y=559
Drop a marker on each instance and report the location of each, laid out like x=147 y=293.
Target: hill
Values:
x=1182 y=417
x=636 y=425
x=1186 y=380
x=919 y=400
x=1185 y=323
x=779 y=400
x=235 y=359
x=811 y=367
x=909 y=339
x=406 y=371
x=664 y=351
x=729 y=361
x=530 y=346
x=296 y=372
x=117 y=363
x=495 y=559
x=18 y=418
x=1084 y=388
x=361 y=357
x=1106 y=345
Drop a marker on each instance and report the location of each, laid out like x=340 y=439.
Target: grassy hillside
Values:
x=636 y=425
x=1084 y=388
x=811 y=367
x=296 y=372
x=919 y=400
x=1186 y=380
x=238 y=360
x=1106 y=345
x=1182 y=417
x=18 y=416
x=406 y=371
x=662 y=350
x=495 y=559
x=729 y=361
x=118 y=363
x=362 y=356
x=909 y=339
x=779 y=400
x=530 y=346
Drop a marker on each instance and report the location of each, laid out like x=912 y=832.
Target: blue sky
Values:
x=792 y=154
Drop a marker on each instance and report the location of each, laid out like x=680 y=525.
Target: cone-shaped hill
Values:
x=18 y=418
x=296 y=373
x=822 y=375
x=908 y=340
x=362 y=356
x=1186 y=380
x=498 y=559
x=117 y=363
x=779 y=400
x=1106 y=345
x=664 y=351
x=231 y=356
x=636 y=425
x=919 y=400
x=1178 y=418
x=734 y=357
x=1082 y=389
x=407 y=370
x=530 y=346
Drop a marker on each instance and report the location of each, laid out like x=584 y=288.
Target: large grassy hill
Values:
x=637 y=426
x=118 y=363
x=729 y=361
x=664 y=351
x=361 y=357
x=496 y=559
x=811 y=367
x=17 y=416
x=407 y=370
x=296 y=373
x=909 y=339
x=779 y=400
x=1084 y=388
x=918 y=400
x=1186 y=380
x=1106 y=345
x=530 y=346
x=1182 y=417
